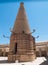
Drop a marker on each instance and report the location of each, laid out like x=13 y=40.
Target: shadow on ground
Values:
x=5 y=61
x=46 y=62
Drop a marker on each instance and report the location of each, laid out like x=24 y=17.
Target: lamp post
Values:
x=6 y=36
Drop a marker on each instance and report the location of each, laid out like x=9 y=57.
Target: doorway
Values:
x=15 y=48
x=44 y=53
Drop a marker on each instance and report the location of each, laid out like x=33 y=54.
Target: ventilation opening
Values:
x=15 y=48
x=22 y=31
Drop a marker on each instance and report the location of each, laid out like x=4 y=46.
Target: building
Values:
x=22 y=43
x=42 y=49
x=4 y=49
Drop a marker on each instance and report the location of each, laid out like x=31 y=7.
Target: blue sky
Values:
x=37 y=14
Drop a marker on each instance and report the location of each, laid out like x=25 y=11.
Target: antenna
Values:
x=37 y=37
x=32 y=31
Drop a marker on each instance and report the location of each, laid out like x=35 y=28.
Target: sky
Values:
x=37 y=15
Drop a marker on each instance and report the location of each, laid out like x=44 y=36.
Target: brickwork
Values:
x=25 y=46
x=22 y=43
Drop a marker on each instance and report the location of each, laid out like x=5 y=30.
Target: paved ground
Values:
x=46 y=62
x=38 y=61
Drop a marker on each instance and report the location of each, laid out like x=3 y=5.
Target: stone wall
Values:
x=25 y=47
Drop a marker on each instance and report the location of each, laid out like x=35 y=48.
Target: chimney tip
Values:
x=21 y=4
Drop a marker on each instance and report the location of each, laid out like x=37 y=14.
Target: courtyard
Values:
x=37 y=61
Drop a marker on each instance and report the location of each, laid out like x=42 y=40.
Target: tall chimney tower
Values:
x=22 y=43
